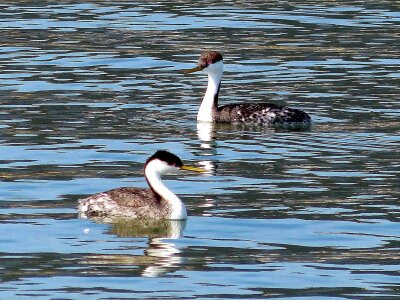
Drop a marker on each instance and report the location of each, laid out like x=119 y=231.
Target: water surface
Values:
x=89 y=90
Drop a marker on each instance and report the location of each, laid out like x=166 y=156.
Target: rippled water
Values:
x=90 y=90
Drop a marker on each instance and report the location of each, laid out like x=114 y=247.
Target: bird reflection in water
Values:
x=206 y=134
x=160 y=258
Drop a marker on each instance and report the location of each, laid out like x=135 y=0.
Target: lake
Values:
x=89 y=90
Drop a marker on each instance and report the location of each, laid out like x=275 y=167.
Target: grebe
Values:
x=211 y=62
x=158 y=202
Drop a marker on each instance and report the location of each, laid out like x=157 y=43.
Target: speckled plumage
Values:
x=157 y=202
x=261 y=113
x=127 y=202
x=268 y=114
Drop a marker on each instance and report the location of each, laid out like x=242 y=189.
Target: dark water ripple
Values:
x=89 y=90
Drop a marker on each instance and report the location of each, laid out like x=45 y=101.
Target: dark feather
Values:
x=261 y=113
x=126 y=202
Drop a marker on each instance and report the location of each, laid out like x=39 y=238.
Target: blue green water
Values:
x=89 y=91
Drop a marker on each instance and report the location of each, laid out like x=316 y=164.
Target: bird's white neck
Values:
x=152 y=173
x=209 y=105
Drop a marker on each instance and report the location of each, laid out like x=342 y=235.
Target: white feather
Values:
x=153 y=171
x=214 y=72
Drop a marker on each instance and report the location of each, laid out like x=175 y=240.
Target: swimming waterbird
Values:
x=211 y=62
x=158 y=202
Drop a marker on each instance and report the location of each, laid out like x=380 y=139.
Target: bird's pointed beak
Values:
x=194 y=169
x=192 y=70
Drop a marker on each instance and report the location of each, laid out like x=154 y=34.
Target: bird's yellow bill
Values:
x=195 y=169
x=192 y=70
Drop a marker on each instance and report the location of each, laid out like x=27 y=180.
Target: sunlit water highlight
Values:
x=89 y=90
